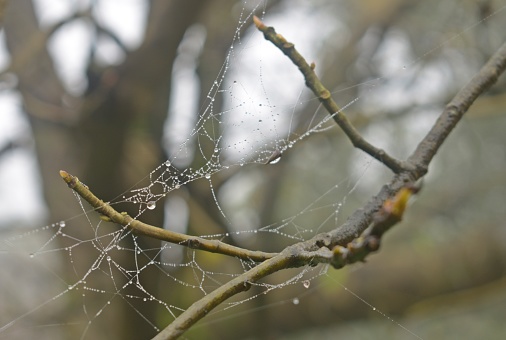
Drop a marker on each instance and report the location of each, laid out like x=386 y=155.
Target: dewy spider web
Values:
x=248 y=134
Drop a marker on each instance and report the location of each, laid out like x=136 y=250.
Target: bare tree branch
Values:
x=457 y=107
x=324 y=248
x=342 y=245
x=140 y=228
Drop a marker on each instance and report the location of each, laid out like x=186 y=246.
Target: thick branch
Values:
x=140 y=228
x=323 y=94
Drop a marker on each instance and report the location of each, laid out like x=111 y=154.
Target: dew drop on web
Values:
x=151 y=205
x=306 y=283
x=275 y=157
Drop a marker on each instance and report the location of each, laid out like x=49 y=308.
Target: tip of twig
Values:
x=258 y=23
x=64 y=174
x=68 y=178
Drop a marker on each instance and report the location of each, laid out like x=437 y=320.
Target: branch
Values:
x=425 y=151
x=294 y=256
x=314 y=83
x=458 y=106
x=36 y=42
x=338 y=247
x=140 y=228
x=239 y=284
x=379 y=214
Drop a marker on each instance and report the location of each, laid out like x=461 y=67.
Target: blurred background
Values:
x=109 y=90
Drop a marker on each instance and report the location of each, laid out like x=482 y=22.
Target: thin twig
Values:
x=140 y=228
x=323 y=94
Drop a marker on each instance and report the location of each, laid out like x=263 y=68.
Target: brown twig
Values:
x=140 y=228
x=323 y=94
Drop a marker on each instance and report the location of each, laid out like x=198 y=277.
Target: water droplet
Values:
x=167 y=163
x=62 y=224
x=32 y=255
x=208 y=176
x=295 y=301
x=151 y=205
x=306 y=283
x=275 y=157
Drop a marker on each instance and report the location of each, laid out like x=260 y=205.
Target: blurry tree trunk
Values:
x=112 y=136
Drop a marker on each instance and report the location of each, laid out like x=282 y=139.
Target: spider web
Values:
x=258 y=129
